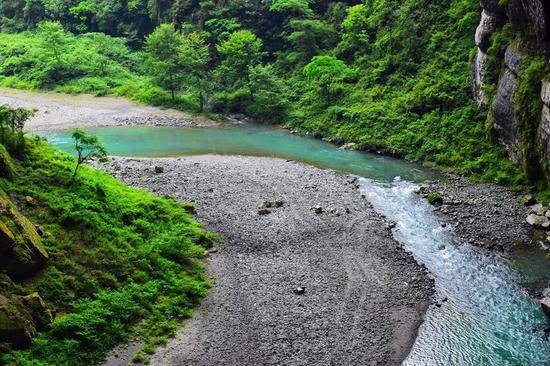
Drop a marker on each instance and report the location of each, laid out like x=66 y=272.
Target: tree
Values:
x=87 y=146
x=194 y=57
x=53 y=39
x=241 y=51
x=310 y=37
x=162 y=56
x=12 y=121
x=327 y=74
x=293 y=8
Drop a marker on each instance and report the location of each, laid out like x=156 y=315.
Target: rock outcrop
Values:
x=21 y=248
x=503 y=107
x=21 y=317
x=529 y=21
x=492 y=18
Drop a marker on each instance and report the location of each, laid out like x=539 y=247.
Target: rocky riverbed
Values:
x=486 y=215
x=308 y=273
x=56 y=111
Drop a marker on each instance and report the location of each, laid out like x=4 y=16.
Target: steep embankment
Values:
x=363 y=298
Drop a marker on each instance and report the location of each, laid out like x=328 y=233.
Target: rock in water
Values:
x=20 y=245
x=299 y=290
x=545 y=305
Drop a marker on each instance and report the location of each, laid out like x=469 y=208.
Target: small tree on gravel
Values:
x=87 y=146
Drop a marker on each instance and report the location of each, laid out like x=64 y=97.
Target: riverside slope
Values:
x=364 y=295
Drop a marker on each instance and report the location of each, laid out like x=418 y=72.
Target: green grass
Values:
x=122 y=262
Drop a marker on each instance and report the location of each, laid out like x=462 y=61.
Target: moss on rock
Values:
x=7 y=169
x=16 y=324
x=21 y=246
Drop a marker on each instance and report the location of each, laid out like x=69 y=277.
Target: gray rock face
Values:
x=492 y=18
x=532 y=18
x=488 y=25
x=504 y=118
x=545 y=119
x=479 y=77
x=492 y=6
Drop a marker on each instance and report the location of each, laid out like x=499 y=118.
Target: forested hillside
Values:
x=387 y=75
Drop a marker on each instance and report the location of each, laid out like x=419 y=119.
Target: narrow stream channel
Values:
x=487 y=318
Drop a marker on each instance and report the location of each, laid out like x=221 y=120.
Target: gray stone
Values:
x=545 y=305
x=487 y=26
x=492 y=6
x=513 y=59
x=504 y=118
x=479 y=77
x=536 y=220
x=263 y=211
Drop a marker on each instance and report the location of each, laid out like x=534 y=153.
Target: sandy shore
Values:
x=57 y=111
x=364 y=295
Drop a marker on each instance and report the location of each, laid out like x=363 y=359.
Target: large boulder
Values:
x=21 y=317
x=16 y=322
x=41 y=314
x=21 y=248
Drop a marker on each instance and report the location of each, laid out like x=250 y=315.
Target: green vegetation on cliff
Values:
x=121 y=261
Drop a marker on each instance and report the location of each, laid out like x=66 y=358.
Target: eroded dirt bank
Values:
x=364 y=295
x=56 y=111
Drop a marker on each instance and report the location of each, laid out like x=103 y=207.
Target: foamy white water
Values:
x=488 y=319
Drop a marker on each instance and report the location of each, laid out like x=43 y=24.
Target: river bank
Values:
x=57 y=111
x=364 y=296
x=480 y=214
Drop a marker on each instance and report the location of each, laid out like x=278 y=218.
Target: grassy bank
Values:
x=121 y=261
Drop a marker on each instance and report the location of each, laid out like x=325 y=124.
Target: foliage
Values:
x=87 y=146
x=385 y=73
x=162 y=56
x=239 y=53
x=12 y=121
x=122 y=261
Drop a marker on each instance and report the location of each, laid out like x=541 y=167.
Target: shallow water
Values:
x=487 y=319
x=244 y=140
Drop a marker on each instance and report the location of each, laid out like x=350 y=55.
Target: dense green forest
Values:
x=387 y=75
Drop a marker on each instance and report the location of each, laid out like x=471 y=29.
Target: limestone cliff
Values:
x=510 y=77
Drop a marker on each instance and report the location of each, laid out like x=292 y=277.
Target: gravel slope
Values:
x=364 y=295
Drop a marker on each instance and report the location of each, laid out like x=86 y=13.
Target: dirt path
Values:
x=57 y=111
x=364 y=295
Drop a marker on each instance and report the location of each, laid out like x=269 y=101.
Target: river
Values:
x=486 y=317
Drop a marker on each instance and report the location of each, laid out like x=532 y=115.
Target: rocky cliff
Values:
x=510 y=77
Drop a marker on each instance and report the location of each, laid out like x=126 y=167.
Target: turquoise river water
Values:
x=488 y=318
